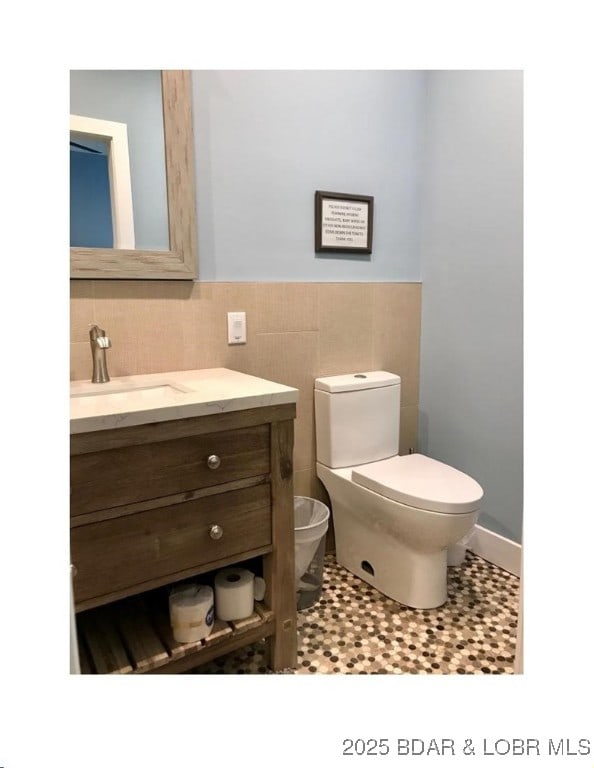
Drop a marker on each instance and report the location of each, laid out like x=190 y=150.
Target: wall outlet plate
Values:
x=236 y=328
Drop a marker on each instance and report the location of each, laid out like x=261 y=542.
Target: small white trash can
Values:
x=311 y=524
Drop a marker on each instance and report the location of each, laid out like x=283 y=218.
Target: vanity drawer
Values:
x=120 y=476
x=114 y=555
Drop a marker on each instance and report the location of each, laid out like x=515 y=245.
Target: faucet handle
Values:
x=98 y=335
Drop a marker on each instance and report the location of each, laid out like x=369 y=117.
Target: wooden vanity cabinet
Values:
x=157 y=503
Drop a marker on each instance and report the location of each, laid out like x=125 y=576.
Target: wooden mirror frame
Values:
x=178 y=263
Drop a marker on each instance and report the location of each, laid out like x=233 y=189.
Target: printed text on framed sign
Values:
x=343 y=222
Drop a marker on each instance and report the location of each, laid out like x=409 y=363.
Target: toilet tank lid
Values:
x=349 y=382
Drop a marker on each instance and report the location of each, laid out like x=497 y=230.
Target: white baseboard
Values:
x=496 y=549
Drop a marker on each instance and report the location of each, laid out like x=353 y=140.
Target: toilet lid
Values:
x=419 y=481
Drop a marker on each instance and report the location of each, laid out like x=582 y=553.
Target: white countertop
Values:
x=148 y=398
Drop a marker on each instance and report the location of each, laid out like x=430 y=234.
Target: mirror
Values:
x=178 y=260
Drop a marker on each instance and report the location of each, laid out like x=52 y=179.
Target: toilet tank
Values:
x=357 y=418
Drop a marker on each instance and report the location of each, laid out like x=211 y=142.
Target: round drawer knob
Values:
x=214 y=461
x=216 y=532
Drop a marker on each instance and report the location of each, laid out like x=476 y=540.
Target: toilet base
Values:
x=402 y=551
x=418 y=580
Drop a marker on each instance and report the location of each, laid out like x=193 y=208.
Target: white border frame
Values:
x=120 y=182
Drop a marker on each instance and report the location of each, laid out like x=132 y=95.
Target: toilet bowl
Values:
x=394 y=516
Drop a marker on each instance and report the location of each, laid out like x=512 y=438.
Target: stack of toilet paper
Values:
x=191 y=612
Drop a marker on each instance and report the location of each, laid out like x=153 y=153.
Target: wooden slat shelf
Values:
x=134 y=636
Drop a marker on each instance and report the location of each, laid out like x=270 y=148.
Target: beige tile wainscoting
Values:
x=295 y=333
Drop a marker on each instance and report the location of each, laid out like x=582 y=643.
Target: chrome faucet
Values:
x=99 y=343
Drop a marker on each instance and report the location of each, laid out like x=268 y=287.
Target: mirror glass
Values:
x=132 y=175
x=132 y=99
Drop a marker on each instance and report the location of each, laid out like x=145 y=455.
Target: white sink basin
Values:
x=154 y=389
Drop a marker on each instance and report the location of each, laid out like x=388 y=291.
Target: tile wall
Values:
x=295 y=332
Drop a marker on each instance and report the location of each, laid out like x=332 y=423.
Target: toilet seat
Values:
x=421 y=482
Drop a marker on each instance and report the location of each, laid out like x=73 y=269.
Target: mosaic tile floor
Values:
x=354 y=629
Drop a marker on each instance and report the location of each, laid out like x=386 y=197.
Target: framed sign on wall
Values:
x=343 y=223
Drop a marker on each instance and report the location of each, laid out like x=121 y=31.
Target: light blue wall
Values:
x=267 y=140
x=471 y=266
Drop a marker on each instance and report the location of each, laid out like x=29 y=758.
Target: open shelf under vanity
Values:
x=134 y=636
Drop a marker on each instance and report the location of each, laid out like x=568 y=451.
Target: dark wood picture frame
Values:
x=337 y=236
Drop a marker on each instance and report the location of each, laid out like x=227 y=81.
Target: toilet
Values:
x=394 y=516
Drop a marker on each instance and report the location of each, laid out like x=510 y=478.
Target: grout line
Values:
x=282 y=333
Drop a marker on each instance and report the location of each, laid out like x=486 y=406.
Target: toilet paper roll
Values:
x=234 y=593
x=191 y=612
